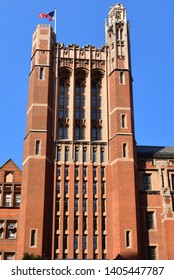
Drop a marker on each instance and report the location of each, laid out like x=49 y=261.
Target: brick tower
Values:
x=78 y=178
x=37 y=172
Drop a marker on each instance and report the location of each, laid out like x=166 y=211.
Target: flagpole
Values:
x=55 y=11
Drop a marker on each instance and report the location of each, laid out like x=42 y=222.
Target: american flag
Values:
x=50 y=15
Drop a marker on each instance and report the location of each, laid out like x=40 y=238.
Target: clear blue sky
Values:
x=82 y=22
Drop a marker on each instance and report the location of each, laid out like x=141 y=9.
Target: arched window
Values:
x=80 y=99
x=96 y=109
x=63 y=108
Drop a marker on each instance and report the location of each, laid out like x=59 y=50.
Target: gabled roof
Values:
x=13 y=163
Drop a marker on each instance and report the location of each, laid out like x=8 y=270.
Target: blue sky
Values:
x=82 y=22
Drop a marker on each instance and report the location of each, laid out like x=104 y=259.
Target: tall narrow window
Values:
x=76 y=223
x=77 y=132
x=76 y=154
x=37 y=147
x=84 y=242
x=66 y=171
x=76 y=187
x=41 y=73
x=66 y=204
x=76 y=238
x=124 y=150
x=66 y=187
x=84 y=154
x=65 y=242
x=172 y=182
x=84 y=205
x=128 y=238
x=66 y=154
x=17 y=200
x=7 y=199
x=123 y=121
x=59 y=154
x=76 y=205
x=150 y=220
x=94 y=155
x=63 y=109
x=33 y=238
x=95 y=205
x=95 y=242
x=94 y=187
x=96 y=110
x=147 y=182
x=84 y=187
x=102 y=155
x=121 y=78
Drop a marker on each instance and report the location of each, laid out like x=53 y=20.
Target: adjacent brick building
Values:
x=88 y=191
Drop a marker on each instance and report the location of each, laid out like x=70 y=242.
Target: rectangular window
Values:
x=11 y=229
x=1 y=228
x=124 y=150
x=94 y=171
x=128 y=238
x=65 y=242
x=41 y=73
x=84 y=154
x=95 y=242
x=76 y=238
x=9 y=256
x=103 y=223
x=66 y=204
x=151 y=253
x=76 y=187
x=94 y=155
x=76 y=154
x=84 y=187
x=7 y=199
x=17 y=199
x=58 y=186
x=76 y=223
x=150 y=220
x=94 y=187
x=95 y=223
x=33 y=238
x=66 y=187
x=58 y=170
x=103 y=187
x=59 y=154
x=76 y=205
x=102 y=155
x=84 y=171
x=172 y=182
x=95 y=205
x=84 y=205
x=103 y=242
x=65 y=223
x=76 y=171
x=123 y=121
x=66 y=154
x=37 y=147
x=147 y=182
x=84 y=242
x=84 y=223
x=66 y=171
x=103 y=205
x=121 y=77
x=102 y=172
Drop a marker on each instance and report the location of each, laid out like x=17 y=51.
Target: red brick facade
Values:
x=88 y=192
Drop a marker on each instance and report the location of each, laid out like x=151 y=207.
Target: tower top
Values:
x=117 y=13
